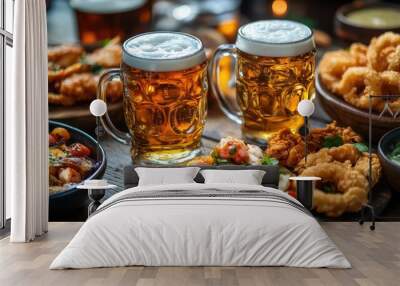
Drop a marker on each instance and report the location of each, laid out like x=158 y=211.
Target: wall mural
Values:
x=223 y=90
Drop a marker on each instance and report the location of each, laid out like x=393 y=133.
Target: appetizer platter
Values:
x=73 y=74
x=74 y=156
x=334 y=153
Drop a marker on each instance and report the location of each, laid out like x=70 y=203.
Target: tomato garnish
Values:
x=61 y=133
x=79 y=150
x=52 y=140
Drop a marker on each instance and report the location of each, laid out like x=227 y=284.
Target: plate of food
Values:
x=334 y=152
x=74 y=156
x=346 y=78
x=73 y=75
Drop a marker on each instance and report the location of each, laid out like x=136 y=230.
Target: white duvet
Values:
x=203 y=231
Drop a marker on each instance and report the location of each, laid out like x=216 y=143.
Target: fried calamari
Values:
x=344 y=171
x=363 y=71
x=342 y=188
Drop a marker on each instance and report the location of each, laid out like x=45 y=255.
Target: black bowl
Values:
x=351 y=32
x=63 y=205
x=390 y=168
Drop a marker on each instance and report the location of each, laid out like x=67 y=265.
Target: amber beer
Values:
x=165 y=102
x=274 y=72
x=105 y=19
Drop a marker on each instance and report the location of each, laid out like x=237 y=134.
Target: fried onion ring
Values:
x=351 y=187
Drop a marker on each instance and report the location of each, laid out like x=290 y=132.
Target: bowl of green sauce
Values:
x=389 y=155
x=359 y=22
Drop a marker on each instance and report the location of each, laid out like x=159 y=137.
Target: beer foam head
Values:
x=275 y=38
x=163 y=51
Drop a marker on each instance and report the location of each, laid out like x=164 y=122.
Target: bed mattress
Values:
x=201 y=225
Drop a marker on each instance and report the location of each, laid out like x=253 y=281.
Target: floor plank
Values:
x=375 y=257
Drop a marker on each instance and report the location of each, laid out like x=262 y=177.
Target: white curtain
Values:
x=26 y=124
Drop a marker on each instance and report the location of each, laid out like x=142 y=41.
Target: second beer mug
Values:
x=164 y=75
x=275 y=63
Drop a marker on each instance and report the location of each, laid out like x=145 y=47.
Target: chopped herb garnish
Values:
x=267 y=160
x=332 y=141
x=95 y=68
x=105 y=42
x=328 y=189
x=221 y=161
x=395 y=154
x=361 y=147
x=232 y=150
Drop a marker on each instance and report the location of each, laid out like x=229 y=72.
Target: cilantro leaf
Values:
x=361 y=147
x=332 y=141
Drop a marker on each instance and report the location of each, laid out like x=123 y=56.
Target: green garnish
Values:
x=332 y=141
x=232 y=150
x=395 y=154
x=104 y=42
x=267 y=160
x=95 y=68
x=328 y=189
x=361 y=147
x=221 y=161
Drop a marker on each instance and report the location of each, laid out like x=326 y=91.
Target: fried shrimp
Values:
x=108 y=56
x=318 y=135
x=65 y=55
x=81 y=88
x=57 y=75
x=287 y=147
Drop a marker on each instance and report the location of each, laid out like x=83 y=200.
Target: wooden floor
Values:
x=375 y=257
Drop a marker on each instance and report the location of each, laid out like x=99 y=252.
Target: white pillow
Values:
x=166 y=176
x=249 y=177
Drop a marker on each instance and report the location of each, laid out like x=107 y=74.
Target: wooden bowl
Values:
x=351 y=32
x=391 y=169
x=347 y=115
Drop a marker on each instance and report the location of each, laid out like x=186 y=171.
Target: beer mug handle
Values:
x=223 y=102
x=110 y=128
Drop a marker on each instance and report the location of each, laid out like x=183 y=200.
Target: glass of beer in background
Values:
x=105 y=19
x=275 y=64
x=164 y=75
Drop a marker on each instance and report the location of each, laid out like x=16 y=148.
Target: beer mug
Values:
x=164 y=75
x=275 y=64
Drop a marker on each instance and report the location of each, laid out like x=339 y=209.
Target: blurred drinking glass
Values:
x=105 y=19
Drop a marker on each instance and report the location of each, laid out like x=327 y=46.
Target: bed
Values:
x=201 y=224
